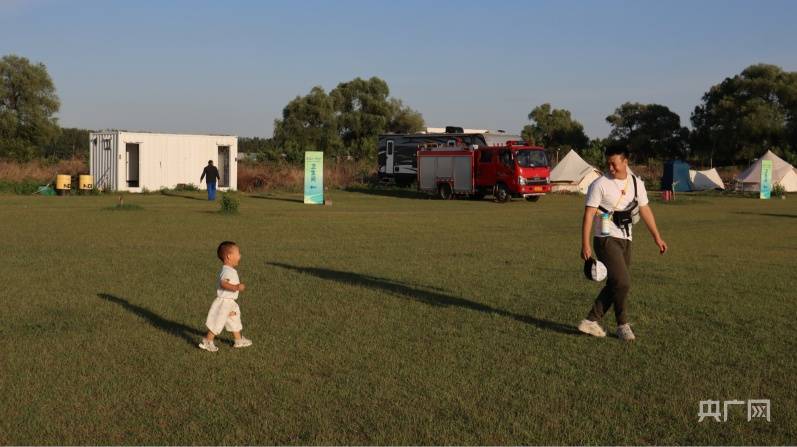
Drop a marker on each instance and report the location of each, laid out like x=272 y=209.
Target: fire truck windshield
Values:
x=531 y=158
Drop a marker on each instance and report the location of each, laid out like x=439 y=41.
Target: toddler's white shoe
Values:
x=242 y=342
x=208 y=345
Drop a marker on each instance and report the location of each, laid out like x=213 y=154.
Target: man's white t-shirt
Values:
x=606 y=191
x=227 y=273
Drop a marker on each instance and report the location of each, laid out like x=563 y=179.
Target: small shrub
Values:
x=229 y=204
x=778 y=190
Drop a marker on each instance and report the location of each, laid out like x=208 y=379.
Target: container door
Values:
x=224 y=166
x=132 y=164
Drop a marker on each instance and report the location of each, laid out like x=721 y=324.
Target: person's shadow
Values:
x=429 y=297
x=189 y=334
x=183 y=196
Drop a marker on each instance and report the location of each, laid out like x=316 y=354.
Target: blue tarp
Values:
x=676 y=176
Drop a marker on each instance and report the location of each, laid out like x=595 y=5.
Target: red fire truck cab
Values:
x=514 y=170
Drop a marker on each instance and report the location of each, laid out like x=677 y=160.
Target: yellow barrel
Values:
x=63 y=182
x=86 y=182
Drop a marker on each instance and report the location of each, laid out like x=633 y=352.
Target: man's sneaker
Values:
x=591 y=328
x=625 y=333
x=242 y=342
x=208 y=345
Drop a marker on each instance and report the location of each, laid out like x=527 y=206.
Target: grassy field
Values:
x=386 y=318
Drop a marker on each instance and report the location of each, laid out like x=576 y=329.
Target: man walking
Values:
x=614 y=202
x=212 y=175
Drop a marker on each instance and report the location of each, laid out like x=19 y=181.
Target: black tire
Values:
x=502 y=194
x=444 y=191
x=532 y=198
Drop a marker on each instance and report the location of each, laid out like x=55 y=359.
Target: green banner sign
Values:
x=314 y=178
x=766 y=178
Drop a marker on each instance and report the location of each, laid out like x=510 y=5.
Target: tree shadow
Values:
x=400 y=193
x=184 y=196
x=281 y=199
x=189 y=334
x=424 y=296
x=790 y=216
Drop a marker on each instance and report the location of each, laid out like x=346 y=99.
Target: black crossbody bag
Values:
x=624 y=219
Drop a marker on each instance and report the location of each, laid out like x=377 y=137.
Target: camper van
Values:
x=396 y=153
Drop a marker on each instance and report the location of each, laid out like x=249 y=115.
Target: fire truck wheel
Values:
x=444 y=191
x=533 y=198
x=502 y=194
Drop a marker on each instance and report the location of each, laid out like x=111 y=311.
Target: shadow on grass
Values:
x=791 y=216
x=281 y=199
x=424 y=296
x=187 y=333
x=184 y=196
x=401 y=193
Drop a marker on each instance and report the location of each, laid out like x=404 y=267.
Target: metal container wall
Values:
x=163 y=160
x=103 y=156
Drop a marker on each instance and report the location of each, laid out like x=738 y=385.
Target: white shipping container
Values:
x=132 y=161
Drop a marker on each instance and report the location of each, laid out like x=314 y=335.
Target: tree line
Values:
x=734 y=122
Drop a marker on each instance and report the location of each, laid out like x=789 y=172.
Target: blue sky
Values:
x=231 y=66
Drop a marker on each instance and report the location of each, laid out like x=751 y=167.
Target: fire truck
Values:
x=513 y=170
x=396 y=152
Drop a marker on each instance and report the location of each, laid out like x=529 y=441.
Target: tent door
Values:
x=224 y=166
x=132 y=164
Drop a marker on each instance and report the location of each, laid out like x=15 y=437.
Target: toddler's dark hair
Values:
x=224 y=248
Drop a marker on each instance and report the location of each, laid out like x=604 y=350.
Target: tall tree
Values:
x=346 y=122
x=594 y=152
x=363 y=112
x=554 y=128
x=741 y=117
x=403 y=119
x=70 y=143
x=308 y=124
x=28 y=105
x=262 y=148
x=649 y=131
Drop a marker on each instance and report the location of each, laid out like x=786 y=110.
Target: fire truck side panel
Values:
x=427 y=167
x=463 y=174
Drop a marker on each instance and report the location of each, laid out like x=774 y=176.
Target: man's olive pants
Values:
x=616 y=255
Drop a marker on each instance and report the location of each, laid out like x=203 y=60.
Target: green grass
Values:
x=389 y=320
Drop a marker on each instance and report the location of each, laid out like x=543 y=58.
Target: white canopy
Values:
x=573 y=174
x=704 y=180
x=783 y=174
